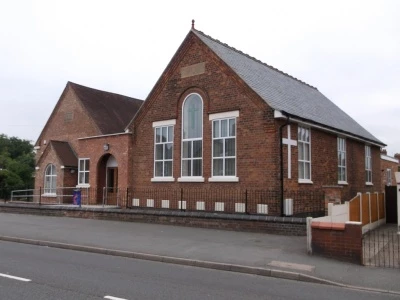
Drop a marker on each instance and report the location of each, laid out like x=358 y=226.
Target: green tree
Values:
x=17 y=163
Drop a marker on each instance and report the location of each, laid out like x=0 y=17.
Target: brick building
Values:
x=389 y=166
x=218 y=119
x=83 y=142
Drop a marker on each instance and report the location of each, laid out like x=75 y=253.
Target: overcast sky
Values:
x=349 y=50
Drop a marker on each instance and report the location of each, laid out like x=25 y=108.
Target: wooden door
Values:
x=112 y=186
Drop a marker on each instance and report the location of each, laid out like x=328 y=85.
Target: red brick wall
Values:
x=50 y=158
x=258 y=150
x=324 y=165
x=120 y=146
x=256 y=130
x=60 y=130
x=340 y=242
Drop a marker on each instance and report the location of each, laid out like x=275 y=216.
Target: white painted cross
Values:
x=290 y=143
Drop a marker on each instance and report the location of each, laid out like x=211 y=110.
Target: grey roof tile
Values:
x=285 y=93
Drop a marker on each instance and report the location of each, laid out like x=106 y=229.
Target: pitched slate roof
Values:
x=285 y=93
x=111 y=112
x=65 y=153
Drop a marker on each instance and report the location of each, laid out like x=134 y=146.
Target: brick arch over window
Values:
x=50 y=179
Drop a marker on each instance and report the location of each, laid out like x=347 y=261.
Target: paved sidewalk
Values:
x=229 y=247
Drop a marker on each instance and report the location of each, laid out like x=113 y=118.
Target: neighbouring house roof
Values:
x=64 y=152
x=285 y=93
x=111 y=112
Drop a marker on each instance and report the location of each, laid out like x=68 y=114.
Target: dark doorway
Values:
x=391 y=204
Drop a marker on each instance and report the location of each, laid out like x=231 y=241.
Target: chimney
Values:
x=383 y=151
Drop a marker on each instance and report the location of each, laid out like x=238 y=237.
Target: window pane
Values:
x=170 y=133
x=158 y=135
x=301 y=151
x=224 y=128
x=168 y=151
x=164 y=134
x=216 y=125
x=218 y=167
x=159 y=152
x=307 y=171
x=307 y=135
x=301 y=170
x=197 y=166
x=81 y=165
x=218 y=148
x=47 y=182
x=168 y=168
x=197 y=148
x=230 y=147
x=159 y=168
x=307 y=152
x=87 y=162
x=87 y=177
x=81 y=178
x=232 y=127
x=192 y=119
x=230 y=167
x=187 y=149
x=186 y=168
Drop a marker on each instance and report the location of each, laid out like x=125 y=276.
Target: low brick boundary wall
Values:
x=238 y=222
x=342 y=241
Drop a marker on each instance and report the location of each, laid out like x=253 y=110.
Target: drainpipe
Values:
x=281 y=154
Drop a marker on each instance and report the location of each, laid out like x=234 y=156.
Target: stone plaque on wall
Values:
x=193 y=70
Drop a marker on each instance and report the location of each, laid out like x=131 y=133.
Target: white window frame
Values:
x=341 y=147
x=192 y=178
x=219 y=117
x=86 y=173
x=50 y=191
x=301 y=143
x=388 y=177
x=160 y=125
x=368 y=165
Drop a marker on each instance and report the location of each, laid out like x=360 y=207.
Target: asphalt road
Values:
x=48 y=273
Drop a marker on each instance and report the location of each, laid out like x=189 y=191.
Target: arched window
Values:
x=192 y=136
x=50 y=180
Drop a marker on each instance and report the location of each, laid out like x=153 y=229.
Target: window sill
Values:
x=343 y=182
x=162 y=179
x=223 y=179
x=83 y=186
x=305 y=181
x=191 y=179
x=49 y=195
x=369 y=183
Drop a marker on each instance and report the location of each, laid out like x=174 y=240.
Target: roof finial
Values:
x=193 y=24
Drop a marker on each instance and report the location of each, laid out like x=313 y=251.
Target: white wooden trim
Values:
x=223 y=115
x=306 y=181
x=343 y=182
x=164 y=123
x=162 y=179
x=223 y=179
x=191 y=179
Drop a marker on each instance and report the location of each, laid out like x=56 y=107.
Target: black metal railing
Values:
x=246 y=201
x=381 y=247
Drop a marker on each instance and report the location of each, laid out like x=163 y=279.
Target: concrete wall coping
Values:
x=161 y=212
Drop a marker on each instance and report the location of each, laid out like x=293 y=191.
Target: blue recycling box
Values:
x=77 y=197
